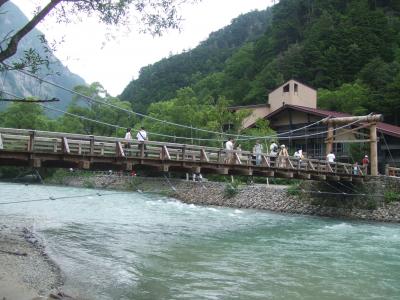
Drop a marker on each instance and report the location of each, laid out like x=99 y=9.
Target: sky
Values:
x=86 y=49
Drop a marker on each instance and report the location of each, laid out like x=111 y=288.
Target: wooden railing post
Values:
x=65 y=145
x=31 y=141
x=219 y=157
x=165 y=153
x=91 y=144
x=184 y=152
x=203 y=155
x=55 y=146
x=119 y=151
x=141 y=148
x=1 y=143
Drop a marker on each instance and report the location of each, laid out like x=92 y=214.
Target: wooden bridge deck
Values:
x=22 y=147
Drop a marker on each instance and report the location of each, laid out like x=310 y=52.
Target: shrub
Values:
x=391 y=196
x=293 y=190
x=231 y=189
x=371 y=204
x=87 y=183
x=58 y=176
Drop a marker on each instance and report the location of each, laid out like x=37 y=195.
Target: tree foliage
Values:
x=349 y=50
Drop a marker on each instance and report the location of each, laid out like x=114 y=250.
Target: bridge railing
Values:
x=32 y=141
x=392 y=171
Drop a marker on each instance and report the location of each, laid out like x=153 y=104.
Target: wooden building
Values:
x=293 y=105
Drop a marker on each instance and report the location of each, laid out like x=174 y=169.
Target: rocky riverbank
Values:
x=26 y=271
x=363 y=205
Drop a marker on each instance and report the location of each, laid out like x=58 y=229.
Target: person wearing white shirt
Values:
x=273 y=149
x=142 y=137
x=331 y=157
x=128 y=137
x=229 y=148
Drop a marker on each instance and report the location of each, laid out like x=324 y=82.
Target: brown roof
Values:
x=314 y=111
x=248 y=106
x=388 y=129
x=385 y=128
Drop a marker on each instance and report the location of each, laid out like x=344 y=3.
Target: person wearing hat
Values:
x=365 y=163
x=283 y=154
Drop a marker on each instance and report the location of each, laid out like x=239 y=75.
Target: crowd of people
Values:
x=277 y=154
x=330 y=158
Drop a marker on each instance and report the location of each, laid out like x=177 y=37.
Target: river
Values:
x=146 y=246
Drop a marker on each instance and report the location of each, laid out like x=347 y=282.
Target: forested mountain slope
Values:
x=161 y=80
x=348 y=49
x=11 y=19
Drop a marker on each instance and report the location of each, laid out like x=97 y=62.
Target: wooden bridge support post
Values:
x=373 y=149
x=329 y=139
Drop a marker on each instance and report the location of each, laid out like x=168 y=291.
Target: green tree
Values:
x=350 y=98
x=24 y=116
x=84 y=107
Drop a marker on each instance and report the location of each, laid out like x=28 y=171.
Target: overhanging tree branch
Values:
x=13 y=44
x=154 y=15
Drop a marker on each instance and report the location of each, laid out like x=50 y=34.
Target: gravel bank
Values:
x=26 y=271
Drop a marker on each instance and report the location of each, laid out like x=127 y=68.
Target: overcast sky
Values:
x=115 y=62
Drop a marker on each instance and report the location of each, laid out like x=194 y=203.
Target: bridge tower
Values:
x=368 y=121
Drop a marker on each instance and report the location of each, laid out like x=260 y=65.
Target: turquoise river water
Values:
x=146 y=246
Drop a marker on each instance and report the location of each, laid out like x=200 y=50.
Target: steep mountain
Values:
x=347 y=49
x=11 y=19
x=160 y=81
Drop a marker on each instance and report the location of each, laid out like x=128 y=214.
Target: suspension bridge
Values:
x=23 y=147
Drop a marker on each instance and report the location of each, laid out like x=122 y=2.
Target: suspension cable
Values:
x=387 y=146
x=170 y=136
x=156 y=119
x=61 y=198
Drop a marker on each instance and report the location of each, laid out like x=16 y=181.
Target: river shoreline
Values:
x=275 y=198
x=27 y=271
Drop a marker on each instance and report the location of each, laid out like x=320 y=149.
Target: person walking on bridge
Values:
x=283 y=157
x=273 y=152
x=365 y=163
x=142 y=138
x=331 y=157
x=257 y=151
x=229 y=148
x=128 y=138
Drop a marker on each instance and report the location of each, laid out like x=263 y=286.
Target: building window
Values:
x=317 y=150
x=340 y=148
x=296 y=88
x=286 y=88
